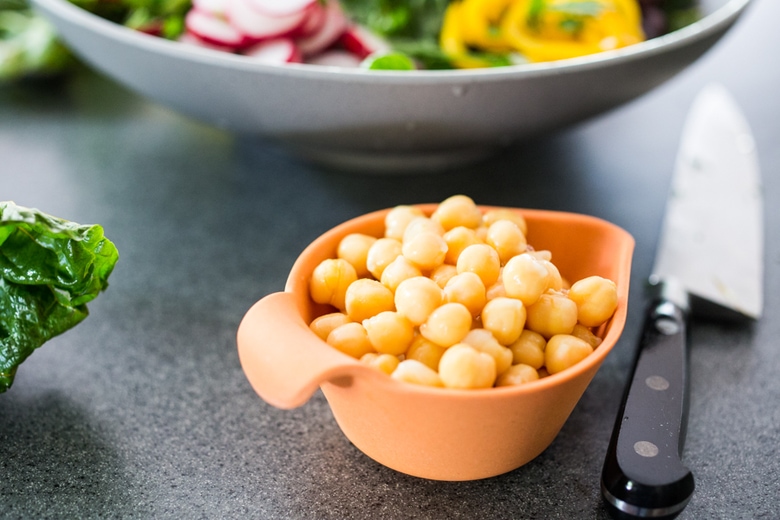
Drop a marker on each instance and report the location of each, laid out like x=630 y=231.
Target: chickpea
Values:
x=426 y=352
x=389 y=332
x=525 y=278
x=584 y=333
x=398 y=218
x=416 y=298
x=507 y=239
x=458 y=239
x=421 y=225
x=397 y=271
x=596 y=300
x=462 y=366
x=517 y=375
x=541 y=254
x=366 y=297
x=447 y=325
x=555 y=280
x=442 y=274
x=383 y=362
x=458 y=210
x=330 y=280
x=323 y=325
x=351 y=339
x=482 y=260
x=466 y=288
x=354 y=249
x=484 y=341
x=564 y=351
x=380 y=254
x=482 y=232
x=425 y=249
x=552 y=314
x=496 y=214
x=412 y=371
x=505 y=318
x=529 y=349
x=496 y=290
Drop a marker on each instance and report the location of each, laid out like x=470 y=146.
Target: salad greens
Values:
x=163 y=18
x=411 y=26
x=28 y=44
x=50 y=269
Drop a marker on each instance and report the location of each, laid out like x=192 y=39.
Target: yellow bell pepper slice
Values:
x=451 y=38
x=555 y=34
x=481 y=21
x=541 y=30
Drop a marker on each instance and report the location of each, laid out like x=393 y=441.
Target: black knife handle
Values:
x=643 y=476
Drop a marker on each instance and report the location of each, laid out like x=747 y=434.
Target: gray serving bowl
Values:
x=384 y=121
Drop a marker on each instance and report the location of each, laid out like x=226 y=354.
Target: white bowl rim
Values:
x=700 y=29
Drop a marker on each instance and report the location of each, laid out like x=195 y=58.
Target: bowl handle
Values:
x=283 y=359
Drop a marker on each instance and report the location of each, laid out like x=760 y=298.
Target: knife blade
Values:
x=709 y=263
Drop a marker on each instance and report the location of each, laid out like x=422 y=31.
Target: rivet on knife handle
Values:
x=643 y=476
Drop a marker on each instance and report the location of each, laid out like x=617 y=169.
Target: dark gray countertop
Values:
x=143 y=410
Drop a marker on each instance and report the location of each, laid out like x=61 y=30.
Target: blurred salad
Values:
x=28 y=44
x=401 y=34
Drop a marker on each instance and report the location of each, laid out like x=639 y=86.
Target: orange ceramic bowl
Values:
x=434 y=433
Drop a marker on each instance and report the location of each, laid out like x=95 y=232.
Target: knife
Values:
x=709 y=263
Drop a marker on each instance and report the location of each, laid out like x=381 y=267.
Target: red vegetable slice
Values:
x=214 y=29
x=335 y=58
x=275 y=52
x=362 y=42
x=245 y=17
x=190 y=39
x=210 y=6
x=315 y=17
x=333 y=26
x=282 y=8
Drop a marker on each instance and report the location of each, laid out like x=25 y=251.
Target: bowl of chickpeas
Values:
x=452 y=341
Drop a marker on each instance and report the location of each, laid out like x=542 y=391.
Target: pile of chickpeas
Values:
x=457 y=299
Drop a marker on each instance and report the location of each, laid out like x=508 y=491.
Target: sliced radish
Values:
x=214 y=29
x=210 y=6
x=282 y=8
x=274 y=52
x=315 y=17
x=333 y=27
x=335 y=58
x=190 y=39
x=362 y=42
x=254 y=23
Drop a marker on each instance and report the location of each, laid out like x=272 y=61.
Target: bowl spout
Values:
x=283 y=359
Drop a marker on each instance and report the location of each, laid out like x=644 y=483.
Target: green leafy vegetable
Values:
x=418 y=19
x=50 y=269
x=164 y=18
x=28 y=44
x=390 y=61
x=411 y=26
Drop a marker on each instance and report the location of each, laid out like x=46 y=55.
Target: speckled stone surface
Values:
x=142 y=411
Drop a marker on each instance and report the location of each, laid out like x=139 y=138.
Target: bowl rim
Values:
x=381 y=380
x=702 y=28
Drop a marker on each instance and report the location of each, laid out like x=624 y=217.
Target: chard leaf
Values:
x=50 y=269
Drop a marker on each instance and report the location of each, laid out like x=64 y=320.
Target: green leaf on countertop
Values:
x=50 y=269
